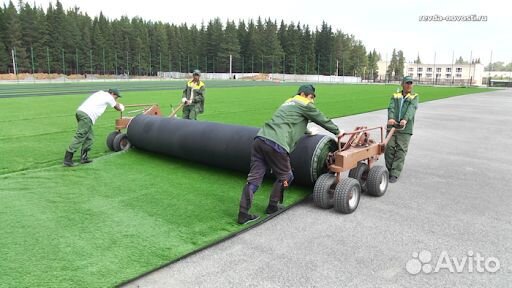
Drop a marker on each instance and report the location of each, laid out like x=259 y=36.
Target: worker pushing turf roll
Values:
x=90 y=110
x=273 y=144
x=402 y=110
x=193 y=97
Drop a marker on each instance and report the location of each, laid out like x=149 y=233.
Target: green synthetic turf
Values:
x=126 y=213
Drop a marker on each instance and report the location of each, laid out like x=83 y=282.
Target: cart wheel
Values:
x=322 y=193
x=360 y=173
x=347 y=195
x=110 y=140
x=121 y=142
x=378 y=179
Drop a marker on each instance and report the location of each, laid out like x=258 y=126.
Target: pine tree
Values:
x=399 y=69
x=392 y=66
x=230 y=46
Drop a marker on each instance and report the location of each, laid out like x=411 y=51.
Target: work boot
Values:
x=393 y=179
x=68 y=159
x=273 y=208
x=84 y=157
x=245 y=218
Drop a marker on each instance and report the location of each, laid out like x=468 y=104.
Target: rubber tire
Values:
x=321 y=195
x=343 y=194
x=121 y=142
x=376 y=176
x=110 y=140
x=360 y=173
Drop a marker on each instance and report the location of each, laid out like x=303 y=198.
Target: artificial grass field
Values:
x=100 y=224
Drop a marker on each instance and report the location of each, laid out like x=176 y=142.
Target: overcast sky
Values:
x=382 y=25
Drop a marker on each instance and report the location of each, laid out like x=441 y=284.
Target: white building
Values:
x=441 y=74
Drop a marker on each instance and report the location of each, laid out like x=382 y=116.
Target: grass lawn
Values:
x=126 y=213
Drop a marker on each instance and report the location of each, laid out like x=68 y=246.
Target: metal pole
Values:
x=48 y=57
x=318 y=68
x=490 y=68
x=76 y=58
x=295 y=65
x=306 y=68
x=104 y=69
x=230 y=66
x=272 y=67
x=13 y=53
x=90 y=59
x=127 y=65
x=32 y=57
x=453 y=56
x=284 y=65
x=470 y=63
x=343 y=68
x=115 y=59
x=63 y=63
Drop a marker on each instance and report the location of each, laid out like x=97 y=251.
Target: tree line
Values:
x=69 y=41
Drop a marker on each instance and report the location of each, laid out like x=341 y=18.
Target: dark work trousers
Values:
x=264 y=155
x=396 y=150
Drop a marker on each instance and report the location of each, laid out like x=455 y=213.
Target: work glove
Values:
x=121 y=107
x=183 y=100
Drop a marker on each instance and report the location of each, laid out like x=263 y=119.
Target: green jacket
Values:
x=408 y=110
x=289 y=122
x=196 y=92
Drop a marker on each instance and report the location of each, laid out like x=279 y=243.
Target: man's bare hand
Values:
x=391 y=122
x=403 y=122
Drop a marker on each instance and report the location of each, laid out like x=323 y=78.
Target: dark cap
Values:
x=407 y=79
x=307 y=90
x=196 y=72
x=114 y=91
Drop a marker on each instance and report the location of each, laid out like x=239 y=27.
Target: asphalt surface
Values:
x=453 y=202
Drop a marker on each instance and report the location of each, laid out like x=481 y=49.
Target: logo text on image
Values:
x=470 y=263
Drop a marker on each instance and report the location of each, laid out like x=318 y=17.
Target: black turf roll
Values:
x=222 y=145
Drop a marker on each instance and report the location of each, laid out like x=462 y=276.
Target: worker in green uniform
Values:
x=274 y=143
x=401 y=112
x=193 y=97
